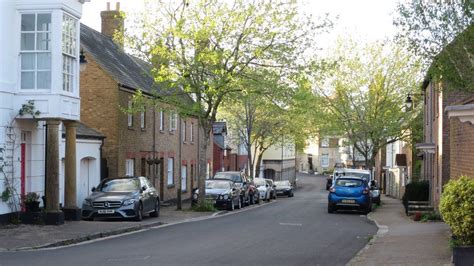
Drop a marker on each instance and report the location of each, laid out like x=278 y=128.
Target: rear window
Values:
x=348 y=182
x=234 y=177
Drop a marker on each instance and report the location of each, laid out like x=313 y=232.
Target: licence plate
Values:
x=348 y=201
x=105 y=211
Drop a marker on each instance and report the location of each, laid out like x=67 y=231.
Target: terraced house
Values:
x=156 y=143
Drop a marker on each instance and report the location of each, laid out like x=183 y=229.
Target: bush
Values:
x=457 y=209
x=204 y=207
x=416 y=191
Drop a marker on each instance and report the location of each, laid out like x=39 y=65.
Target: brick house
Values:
x=448 y=142
x=220 y=150
x=156 y=143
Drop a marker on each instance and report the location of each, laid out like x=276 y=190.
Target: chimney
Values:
x=112 y=22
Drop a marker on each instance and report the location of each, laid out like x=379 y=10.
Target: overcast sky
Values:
x=368 y=20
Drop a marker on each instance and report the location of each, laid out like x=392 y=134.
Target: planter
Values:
x=32 y=206
x=463 y=256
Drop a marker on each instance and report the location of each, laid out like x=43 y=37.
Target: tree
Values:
x=203 y=50
x=364 y=97
x=429 y=26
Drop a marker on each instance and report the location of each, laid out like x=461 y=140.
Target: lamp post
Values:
x=82 y=61
x=409 y=101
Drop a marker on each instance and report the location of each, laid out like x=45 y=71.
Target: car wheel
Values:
x=252 y=199
x=156 y=211
x=139 y=215
x=239 y=206
x=232 y=205
x=330 y=208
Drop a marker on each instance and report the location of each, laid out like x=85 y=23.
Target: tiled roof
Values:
x=84 y=132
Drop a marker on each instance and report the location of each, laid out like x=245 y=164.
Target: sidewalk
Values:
x=22 y=237
x=402 y=241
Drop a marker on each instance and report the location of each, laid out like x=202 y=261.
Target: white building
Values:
x=39 y=48
x=279 y=161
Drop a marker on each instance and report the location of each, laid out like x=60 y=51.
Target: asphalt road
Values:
x=289 y=231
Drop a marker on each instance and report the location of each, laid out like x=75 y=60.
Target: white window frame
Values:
x=173 y=121
x=130 y=115
x=35 y=51
x=325 y=143
x=208 y=170
x=143 y=120
x=170 y=172
x=183 y=130
x=69 y=50
x=129 y=167
x=323 y=157
x=191 y=133
x=162 y=120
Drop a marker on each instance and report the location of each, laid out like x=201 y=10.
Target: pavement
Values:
x=26 y=237
x=402 y=241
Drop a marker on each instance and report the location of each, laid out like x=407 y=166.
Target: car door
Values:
x=145 y=195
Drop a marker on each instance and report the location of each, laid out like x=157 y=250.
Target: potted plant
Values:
x=31 y=202
x=456 y=208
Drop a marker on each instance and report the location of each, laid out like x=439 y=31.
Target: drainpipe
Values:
x=180 y=178
x=45 y=161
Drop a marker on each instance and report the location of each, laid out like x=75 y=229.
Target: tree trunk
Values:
x=259 y=162
x=203 y=144
x=249 y=159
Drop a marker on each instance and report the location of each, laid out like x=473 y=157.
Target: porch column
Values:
x=53 y=214
x=71 y=211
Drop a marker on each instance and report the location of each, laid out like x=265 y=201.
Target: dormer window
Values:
x=69 y=52
x=35 y=51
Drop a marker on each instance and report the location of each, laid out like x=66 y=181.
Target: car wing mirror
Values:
x=143 y=188
x=93 y=189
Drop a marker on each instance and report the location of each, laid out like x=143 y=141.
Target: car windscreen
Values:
x=120 y=185
x=349 y=182
x=282 y=183
x=259 y=182
x=228 y=176
x=361 y=175
x=217 y=185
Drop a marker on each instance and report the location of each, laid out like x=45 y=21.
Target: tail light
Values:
x=332 y=190
x=366 y=191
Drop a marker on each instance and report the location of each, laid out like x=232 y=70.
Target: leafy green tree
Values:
x=363 y=99
x=429 y=26
x=203 y=50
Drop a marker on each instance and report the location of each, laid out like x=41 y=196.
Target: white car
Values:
x=263 y=188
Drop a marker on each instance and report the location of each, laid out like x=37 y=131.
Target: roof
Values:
x=85 y=132
x=127 y=70
x=219 y=127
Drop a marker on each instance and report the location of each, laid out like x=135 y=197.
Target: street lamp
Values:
x=82 y=61
x=409 y=100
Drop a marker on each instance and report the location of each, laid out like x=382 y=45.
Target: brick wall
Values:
x=462 y=147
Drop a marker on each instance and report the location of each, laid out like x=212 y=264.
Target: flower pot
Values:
x=463 y=255
x=32 y=206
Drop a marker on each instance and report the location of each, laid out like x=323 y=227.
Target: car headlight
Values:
x=87 y=202
x=195 y=196
x=128 y=202
x=226 y=196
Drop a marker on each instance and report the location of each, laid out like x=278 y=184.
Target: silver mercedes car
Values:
x=123 y=197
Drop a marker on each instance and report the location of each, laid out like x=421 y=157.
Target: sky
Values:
x=365 y=20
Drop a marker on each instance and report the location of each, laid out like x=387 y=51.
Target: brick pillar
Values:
x=71 y=211
x=53 y=214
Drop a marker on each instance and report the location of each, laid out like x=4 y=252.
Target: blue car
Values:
x=349 y=193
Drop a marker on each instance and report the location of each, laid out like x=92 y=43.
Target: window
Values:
x=208 y=170
x=173 y=121
x=170 y=171
x=191 y=132
x=324 y=160
x=162 y=119
x=35 y=51
x=129 y=167
x=184 y=178
x=183 y=131
x=324 y=143
x=69 y=52
x=142 y=120
x=130 y=115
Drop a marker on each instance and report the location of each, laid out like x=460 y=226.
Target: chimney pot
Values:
x=112 y=22
x=108 y=6
x=117 y=6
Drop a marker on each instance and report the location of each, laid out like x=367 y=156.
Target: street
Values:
x=288 y=231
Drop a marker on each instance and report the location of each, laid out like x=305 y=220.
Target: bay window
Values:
x=69 y=52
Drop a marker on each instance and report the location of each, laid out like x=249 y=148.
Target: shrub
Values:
x=416 y=191
x=457 y=209
x=204 y=207
x=417 y=216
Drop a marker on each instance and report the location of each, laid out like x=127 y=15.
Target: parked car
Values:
x=239 y=179
x=264 y=188
x=222 y=193
x=284 y=188
x=374 y=192
x=254 y=193
x=123 y=197
x=272 y=187
x=349 y=192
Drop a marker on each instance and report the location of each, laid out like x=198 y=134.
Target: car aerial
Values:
x=349 y=192
x=273 y=193
x=284 y=188
x=239 y=179
x=122 y=197
x=222 y=193
x=263 y=188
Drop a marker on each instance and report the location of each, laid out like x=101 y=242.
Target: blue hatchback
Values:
x=349 y=193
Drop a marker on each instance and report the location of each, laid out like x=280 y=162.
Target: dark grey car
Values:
x=123 y=197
